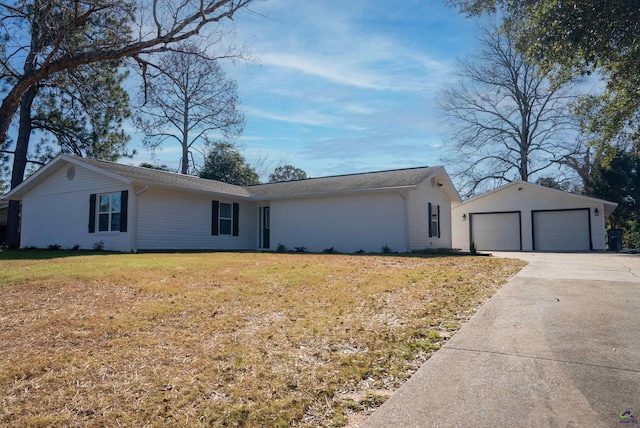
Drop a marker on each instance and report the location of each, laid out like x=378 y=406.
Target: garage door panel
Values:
x=561 y=230
x=496 y=231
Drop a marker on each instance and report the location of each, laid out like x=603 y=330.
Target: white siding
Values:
x=56 y=212
x=182 y=221
x=347 y=223
x=418 y=201
x=526 y=198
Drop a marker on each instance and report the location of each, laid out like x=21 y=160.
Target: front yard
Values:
x=223 y=339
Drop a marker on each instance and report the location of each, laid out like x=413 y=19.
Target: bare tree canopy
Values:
x=44 y=37
x=188 y=100
x=582 y=36
x=508 y=121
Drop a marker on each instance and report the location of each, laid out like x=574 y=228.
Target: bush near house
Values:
x=223 y=339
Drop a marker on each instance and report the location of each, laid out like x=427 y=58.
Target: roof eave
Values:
x=526 y=183
x=189 y=189
x=331 y=193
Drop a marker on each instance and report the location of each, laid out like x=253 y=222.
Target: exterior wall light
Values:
x=596 y=212
x=464 y=217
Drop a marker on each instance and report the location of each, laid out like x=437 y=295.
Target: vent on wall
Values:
x=71 y=172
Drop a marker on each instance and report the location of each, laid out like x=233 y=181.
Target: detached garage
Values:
x=522 y=216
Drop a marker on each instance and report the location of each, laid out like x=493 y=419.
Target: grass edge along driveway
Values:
x=223 y=339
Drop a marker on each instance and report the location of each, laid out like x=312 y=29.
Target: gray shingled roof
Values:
x=399 y=178
x=150 y=176
x=394 y=179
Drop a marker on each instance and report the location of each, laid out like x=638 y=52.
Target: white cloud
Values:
x=304 y=118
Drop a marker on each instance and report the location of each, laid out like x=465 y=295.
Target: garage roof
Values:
x=609 y=206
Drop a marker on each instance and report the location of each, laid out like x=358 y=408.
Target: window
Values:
x=224 y=218
x=109 y=213
x=109 y=210
x=434 y=221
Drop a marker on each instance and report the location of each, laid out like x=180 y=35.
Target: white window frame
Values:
x=109 y=212
x=229 y=219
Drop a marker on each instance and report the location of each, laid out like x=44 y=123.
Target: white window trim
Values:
x=221 y=218
x=110 y=213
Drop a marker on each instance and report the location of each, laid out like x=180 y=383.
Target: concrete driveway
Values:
x=557 y=346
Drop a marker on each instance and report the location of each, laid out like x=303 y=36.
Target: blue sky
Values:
x=341 y=87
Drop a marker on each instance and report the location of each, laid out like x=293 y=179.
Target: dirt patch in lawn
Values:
x=224 y=339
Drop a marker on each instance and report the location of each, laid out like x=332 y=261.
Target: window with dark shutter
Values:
x=236 y=216
x=215 y=210
x=124 y=209
x=92 y=213
x=434 y=221
x=224 y=218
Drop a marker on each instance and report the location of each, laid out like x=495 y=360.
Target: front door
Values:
x=266 y=225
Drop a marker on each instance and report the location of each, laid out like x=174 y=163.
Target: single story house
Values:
x=522 y=216
x=76 y=201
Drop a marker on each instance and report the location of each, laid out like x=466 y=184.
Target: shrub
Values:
x=54 y=247
x=300 y=249
x=98 y=246
x=360 y=251
x=76 y=247
x=281 y=248
x=473 y=249
x=386 y=249
x=329 y=250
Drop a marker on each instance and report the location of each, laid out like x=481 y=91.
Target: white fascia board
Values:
x=43 y=172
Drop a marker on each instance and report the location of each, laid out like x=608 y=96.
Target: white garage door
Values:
x=561 y=230
x=496 y=231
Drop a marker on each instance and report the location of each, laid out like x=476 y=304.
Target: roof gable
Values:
x=129 y=174
x=609 y=206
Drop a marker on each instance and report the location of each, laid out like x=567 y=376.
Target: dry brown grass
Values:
x=223 y=339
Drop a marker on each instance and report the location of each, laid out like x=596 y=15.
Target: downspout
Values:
x=405 y=207
x=134 y=232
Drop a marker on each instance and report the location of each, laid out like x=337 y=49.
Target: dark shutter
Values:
x=215 y=212
x=236 y=212
x=430 y=227
x=124 y=208
x=438 y=221
x=92 y=213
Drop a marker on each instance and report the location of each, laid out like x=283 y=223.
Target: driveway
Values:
x=557 y=346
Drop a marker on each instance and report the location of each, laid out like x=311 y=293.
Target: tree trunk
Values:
x=185 y=136
x=20 y=165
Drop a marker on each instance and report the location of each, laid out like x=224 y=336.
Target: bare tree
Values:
x=187 y=100
x=508 y=120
